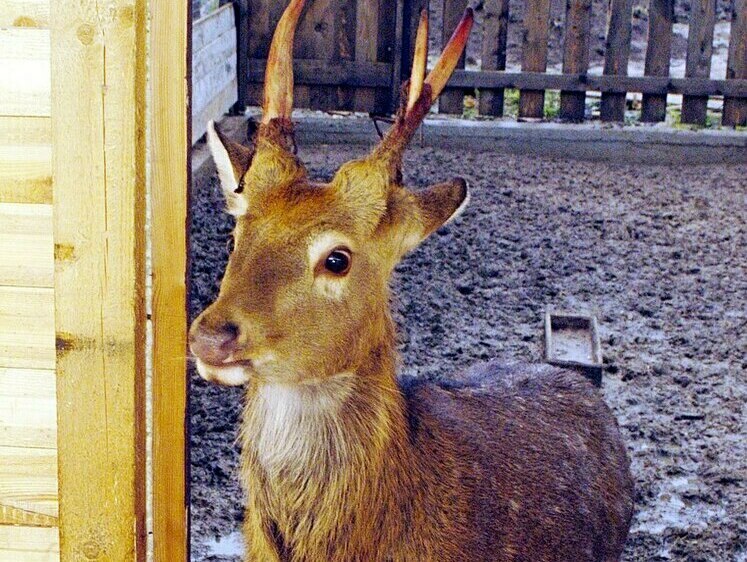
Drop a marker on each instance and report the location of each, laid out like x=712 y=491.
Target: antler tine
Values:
x=278 y=98
x=439 y=76
x=419 y=61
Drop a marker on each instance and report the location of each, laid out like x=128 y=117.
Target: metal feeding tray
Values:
x=572 y=340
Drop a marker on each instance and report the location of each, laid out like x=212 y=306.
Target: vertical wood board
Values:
x=494 y=40
x=98 y=78
x=170 y=172
x=735 y=110
x=658 y=55
x=575 y=56
x=534 y=55
x=452 y=100
x=617 y=53
x=699 y=52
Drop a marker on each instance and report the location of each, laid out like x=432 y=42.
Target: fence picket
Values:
x=452 y=100
x=617 y=52
x=735 y=109
x=575 y=56
x=699 y=51
x=534 y=55
x=495 y=32
x=658 y=54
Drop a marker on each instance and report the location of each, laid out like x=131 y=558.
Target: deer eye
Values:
x=338 y=261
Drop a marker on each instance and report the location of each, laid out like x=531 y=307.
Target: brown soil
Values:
x=657 y=252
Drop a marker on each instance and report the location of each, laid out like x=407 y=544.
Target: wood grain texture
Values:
x=170 y=169
x=28 y=479
x=24 y=13
x=25 y=159
x=617 y=53
x=24 y=64
x=98 y=79
x=534 y=55
x=27 y=328
x=29 y=544
x=699 y=52
x=658 y=55
x=575 y=56
x=495 y=33
x=28 y=408
x=26 y=246
x=452 y=100
x=214 y=66
x=735 y=109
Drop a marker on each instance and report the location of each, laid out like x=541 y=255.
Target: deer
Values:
x=342 y=459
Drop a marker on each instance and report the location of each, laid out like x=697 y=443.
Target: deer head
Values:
x=305 y=292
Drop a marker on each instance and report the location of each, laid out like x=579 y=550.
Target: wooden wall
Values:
x=215 y=86
x=72 y=278
x=28 y=425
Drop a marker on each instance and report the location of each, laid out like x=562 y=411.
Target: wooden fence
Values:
x=353 y=55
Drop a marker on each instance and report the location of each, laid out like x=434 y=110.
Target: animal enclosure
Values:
x=353 y=55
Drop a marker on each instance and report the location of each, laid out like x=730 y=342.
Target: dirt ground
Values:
x=658 y=253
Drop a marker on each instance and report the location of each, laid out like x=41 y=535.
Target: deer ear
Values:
x=435 y=206
x=232 y=161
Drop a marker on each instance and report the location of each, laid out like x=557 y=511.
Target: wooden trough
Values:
x=572 y=341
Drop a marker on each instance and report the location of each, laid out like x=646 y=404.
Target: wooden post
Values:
x=452 y=99
x=495 y=31
x=575 y=56
x=170 y=70
x=98 y=138
x=699 y=51
x=534 y=55
x=735 y=109
x=617 y=52
x=241 y=11
x=658 y=54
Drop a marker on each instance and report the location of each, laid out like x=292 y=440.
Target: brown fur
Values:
x=341 y=461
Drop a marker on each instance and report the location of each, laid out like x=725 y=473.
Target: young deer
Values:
x=341 y=461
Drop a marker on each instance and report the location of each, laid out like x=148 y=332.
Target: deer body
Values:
x=341 y=461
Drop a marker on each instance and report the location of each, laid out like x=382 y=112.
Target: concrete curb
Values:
x=646 y=144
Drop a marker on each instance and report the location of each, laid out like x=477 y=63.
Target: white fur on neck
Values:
x=288 y=424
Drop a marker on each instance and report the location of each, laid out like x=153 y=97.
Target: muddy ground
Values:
x=658 y=253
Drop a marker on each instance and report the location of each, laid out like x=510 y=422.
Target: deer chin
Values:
x=230 y=374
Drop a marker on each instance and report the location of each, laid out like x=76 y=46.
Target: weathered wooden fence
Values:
x=353 y=54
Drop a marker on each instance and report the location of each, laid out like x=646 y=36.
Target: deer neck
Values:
x=329 y=430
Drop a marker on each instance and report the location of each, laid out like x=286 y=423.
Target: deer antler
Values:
x=278 y=98
x=422 y=92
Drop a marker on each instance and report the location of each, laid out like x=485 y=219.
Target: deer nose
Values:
x=214 y=344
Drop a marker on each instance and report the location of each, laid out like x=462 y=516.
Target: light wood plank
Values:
x=27 y=328
x=26 y=245
x=98 y=91
x=24 y=65
x=24 y=13
x=29 y=544
x=25 y=174
x=28 y=408
x=170 y=165
x=26 y=130
x=28 y=479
